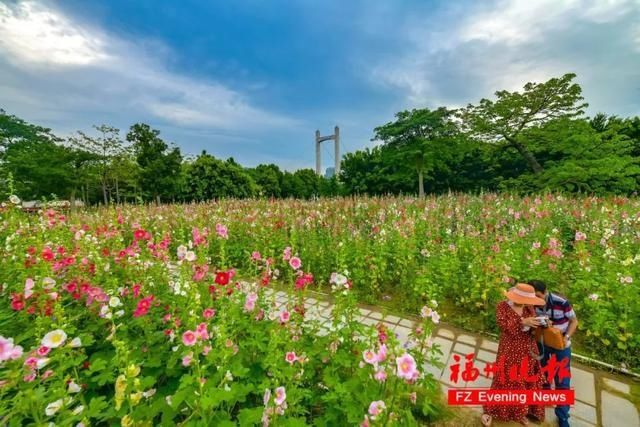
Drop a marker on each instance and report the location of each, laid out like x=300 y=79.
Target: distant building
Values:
x=330 y=172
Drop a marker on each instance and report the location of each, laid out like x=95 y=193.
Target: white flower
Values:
x=14 y=199
x=75 y=343
x=48 y=283
x=41 y=363
x=182 y=251
x=120 y=313
x=78 y=410
x=73 y=387
x=53 y=407
x=114 y=302
x=190 y=256
x=147 y=394
x=54 y=339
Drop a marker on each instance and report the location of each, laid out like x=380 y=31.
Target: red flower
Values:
x=47 y=254
x=16 y=302
x=143 y=306
x=222 y=278
x=139 y=234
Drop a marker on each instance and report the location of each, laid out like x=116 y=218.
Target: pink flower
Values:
x=255 y=255
x=380 y=375
x=29 y=377
x=186 y=360
x=266 y=397
x=406 y=366
x=593 y=297
x=376 y=407
x=413 y=397
x=580 y=236
x=206 y=350
x=189 y=338
x=284 y=316
x=382 y=353
x=208 y=313
x=249 y=305
x=291 y=357
x=295 y=263
x=435 y=317
x=43 y=350
x=201 y=331
x=47 y=374
x=365 y=423
x=28 y=288
x=281 y=396
x=370 y=357
x=9 y=351
x=536 y=245
x=222 y=231
x=286 y=254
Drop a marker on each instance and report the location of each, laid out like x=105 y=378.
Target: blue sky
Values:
x=254 y=79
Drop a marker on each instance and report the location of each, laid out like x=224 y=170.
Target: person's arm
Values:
x=573 y=321
x=510 y=324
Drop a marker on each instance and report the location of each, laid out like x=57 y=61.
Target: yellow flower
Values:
x=121 y=386
x=126 y=421
x=135 y=397
x=133 y=371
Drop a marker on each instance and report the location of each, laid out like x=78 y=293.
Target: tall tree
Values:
x=160 y=166
x=504 y=120
x=107 y=150
x=420 y=137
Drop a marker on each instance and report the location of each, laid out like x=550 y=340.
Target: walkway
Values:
x=602 y=399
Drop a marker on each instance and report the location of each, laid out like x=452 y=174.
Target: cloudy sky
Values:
x=254 y=79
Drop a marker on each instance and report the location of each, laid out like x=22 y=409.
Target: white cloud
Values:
x=78 y=67
x=469 y=53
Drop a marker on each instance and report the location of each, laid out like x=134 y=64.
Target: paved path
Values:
x=602 y=399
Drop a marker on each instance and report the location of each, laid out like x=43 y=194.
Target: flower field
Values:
x=164 y=315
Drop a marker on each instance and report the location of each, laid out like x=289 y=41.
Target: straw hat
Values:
x=524 y=294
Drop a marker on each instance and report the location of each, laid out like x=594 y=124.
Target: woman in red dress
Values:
x=516 y=318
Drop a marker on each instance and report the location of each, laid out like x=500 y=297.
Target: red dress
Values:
x=516 y=345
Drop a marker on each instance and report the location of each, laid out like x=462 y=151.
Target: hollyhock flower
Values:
x=255 y=255
x=375 y=408
x=281 y=395
x=284 y=316
x=536 y=245
x=266 y=397
x=580 y=236
x=435 y=317
x=290 y=357
x=73 y=387
x=143 y=306
x=365 y=423
x=222 y=231
x=222 y=278
x=190 y=256
x=286 y=254
x=186 y=360
x=41 y=363
x=14 y=199
x=380 y=375
x=295 y=263
x=28 y=288
x=9 y=351
x=370 y=357
x=593 y=297
x=382 y=353
x=114 y=302
x=208 y=313
x=43 y=350
x=47 y=374
x=425 y=312
x=406 y=365
x=189 y=338
x=53 y=407
x=54 y=339
x=29 y=377
x=181 y=252
x=201 y=331
x=206 y=349
x=249 y=305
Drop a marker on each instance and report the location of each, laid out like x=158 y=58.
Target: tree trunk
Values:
x=117 y=192
x=73 y=200
x=527 y=155
x=420 y=183
x=104 y=192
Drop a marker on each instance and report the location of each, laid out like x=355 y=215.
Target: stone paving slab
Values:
x=617 y=411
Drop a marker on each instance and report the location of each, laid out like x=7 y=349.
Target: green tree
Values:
x=160 y=166
x=208 y=178
x=269 y=179
x=108 y=151
x=420 y=137
x=504 y=120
